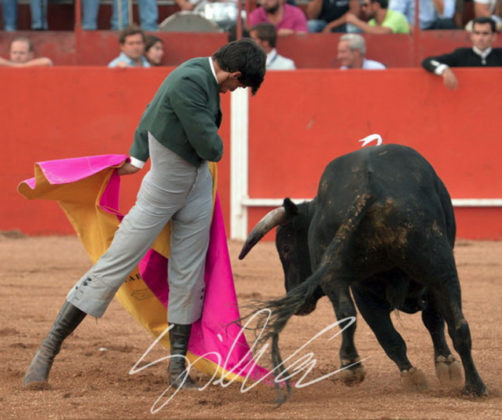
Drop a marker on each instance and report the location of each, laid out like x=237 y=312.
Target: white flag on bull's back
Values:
x=372 y=137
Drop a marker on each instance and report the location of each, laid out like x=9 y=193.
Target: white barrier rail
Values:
x=457 y=202
x=239 y=225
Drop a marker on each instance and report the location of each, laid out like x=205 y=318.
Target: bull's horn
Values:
x=272 y=219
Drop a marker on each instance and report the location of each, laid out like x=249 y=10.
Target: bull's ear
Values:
x=291 y=208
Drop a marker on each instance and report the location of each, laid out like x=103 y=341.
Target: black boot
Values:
x=178 y=338
x=67 y=320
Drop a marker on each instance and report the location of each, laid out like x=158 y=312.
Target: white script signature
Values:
x=301 y=366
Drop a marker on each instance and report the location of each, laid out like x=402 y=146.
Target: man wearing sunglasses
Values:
x=381 y=19
x=322 y=12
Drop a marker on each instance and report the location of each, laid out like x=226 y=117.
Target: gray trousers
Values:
x=174 y=190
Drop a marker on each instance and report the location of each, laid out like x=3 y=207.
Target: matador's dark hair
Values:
x=245 y=56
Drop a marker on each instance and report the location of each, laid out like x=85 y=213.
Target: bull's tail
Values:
x=279 y=311
x=273 y=317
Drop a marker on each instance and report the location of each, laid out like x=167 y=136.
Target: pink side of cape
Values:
x=214 y=336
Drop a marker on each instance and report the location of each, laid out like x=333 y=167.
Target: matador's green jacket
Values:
x=184 y=115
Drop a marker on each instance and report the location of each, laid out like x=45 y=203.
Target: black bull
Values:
x=381 y=225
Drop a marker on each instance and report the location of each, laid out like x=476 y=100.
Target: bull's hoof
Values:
x=448 y=371
x=36 y=386
x=477 y=390
x=353 y=372
x=413 y=379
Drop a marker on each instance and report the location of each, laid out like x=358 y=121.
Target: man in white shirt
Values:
x=265 y=35
x=352 y=51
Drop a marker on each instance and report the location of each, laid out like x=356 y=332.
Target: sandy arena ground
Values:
x=86 y=383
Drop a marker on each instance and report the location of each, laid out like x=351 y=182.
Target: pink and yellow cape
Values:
x=87 y=189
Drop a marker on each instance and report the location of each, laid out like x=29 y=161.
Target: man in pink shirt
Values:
x=286 y=18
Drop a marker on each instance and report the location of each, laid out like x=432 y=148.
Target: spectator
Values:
x=38 y=9
x=458 y=17
x=9 y=12
x=90 y=10
x=352 y=51
x=148 y=14
x=480 y=55
x=154 y=50
x=340 y=24
x=286 y=18
x=488 y=8
x=221 y=12
x=433 y=14
x=21 y=55
x=186 y=5
x=232 y=33
x=322 y=12
x=382 y=20
x=132 y=47
x=265 y=35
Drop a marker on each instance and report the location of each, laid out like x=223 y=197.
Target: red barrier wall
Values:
x=299 y=121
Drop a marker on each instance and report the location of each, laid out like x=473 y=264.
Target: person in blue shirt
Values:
x=132 y=47
x=432 y=14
